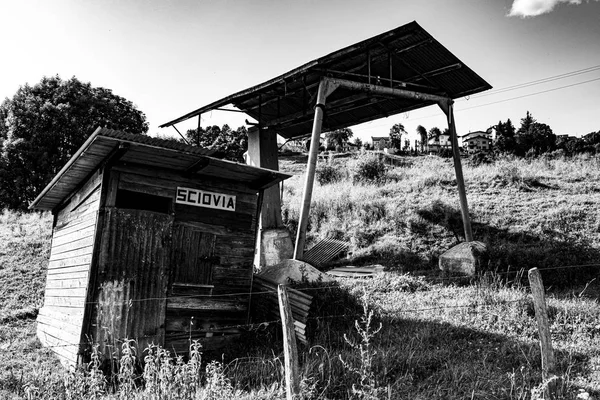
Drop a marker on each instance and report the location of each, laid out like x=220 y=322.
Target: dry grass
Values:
x=531 y=213
x=474 y=340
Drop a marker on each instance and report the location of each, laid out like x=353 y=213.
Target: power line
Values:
x=530 y=94
x=515 y=87
x=538 y=81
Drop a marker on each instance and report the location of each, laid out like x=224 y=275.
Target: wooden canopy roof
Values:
x=105 y=144
x=406 y=57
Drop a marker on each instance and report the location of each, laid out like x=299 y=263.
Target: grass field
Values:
x=438 y=339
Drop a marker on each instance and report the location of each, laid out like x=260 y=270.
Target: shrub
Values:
x=481 y=158
x=369 y=169
x=367 y=387
x=445 y=153
x=328 y=173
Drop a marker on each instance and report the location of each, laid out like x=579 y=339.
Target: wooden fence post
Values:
x=541 y=315
x=290 y=350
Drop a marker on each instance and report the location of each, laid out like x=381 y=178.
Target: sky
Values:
x=171 y=57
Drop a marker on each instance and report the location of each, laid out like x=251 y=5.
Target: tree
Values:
x=575 y=146
x=228 y=143
x=42 y=126
x=534 y=137
x=422 y=132
x=358 y=143
x=526 y=123
x=434 y=133
x=592 y=138
x=396 y=133
x=505 y=137
x=339 y=137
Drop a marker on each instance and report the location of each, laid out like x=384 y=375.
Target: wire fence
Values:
x=477 y=305
x=354 y=316
x=517 y=273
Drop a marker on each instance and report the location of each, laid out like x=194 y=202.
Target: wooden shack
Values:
x=153 y=240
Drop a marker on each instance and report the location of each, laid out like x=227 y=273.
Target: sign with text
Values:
x=202 y=198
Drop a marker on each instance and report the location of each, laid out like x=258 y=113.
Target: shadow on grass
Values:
x=441 y=360
x=413 y=358
x=563 y=259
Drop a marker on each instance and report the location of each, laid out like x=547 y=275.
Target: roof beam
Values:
x=301 y=115
x=332 y=113
x=288 y=96
x=386 y=91
x=406 y=64
x=364 y=88
x=349 y=103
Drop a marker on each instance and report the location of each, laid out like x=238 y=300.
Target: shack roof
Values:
x=406 y=57
x=144 y=150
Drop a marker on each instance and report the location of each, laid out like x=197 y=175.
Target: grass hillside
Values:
x=531 y=213
x=24 y=251
x=437 y=339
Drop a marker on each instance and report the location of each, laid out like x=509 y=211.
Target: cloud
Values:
x=532 y=8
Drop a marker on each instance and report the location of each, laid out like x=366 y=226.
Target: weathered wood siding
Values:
x=132 y=279
x=210 y=257
x=60 y=320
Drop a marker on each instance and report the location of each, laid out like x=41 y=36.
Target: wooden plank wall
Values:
x=193 y=312
x=61 y=317
x=208 y=313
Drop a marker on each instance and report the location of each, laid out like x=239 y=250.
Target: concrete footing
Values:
x=465 y=259
x=275 y=246
x=294 y=270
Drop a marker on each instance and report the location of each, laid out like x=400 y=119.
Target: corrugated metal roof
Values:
x=146 y=151
x=325 y=251
x=416 y=60
x=265 y=294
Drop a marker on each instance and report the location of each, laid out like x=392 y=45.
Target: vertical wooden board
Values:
x=192 y=255
x=133 y=265
x=193 y=262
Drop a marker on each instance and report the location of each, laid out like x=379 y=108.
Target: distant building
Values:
x=381 y=142
x=348 y=146
x=434 y=145
x=567 y=137
x=477 y=141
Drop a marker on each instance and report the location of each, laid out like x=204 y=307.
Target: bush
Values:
x=327 y=174
x=445 y=153
x=369 y=169
x=481 y=158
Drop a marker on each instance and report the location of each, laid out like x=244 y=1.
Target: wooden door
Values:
x=133 y=276
x=192 y=260
x=188 y=315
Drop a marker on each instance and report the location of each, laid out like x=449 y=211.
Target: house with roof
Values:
x=381 y=142
x=436 y=144
x=476 y=141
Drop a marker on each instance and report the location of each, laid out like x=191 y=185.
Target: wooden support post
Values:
x=460 y=181
x=198 y=130
x=541 y=315
x=290 y=352
x=273 y=242
x=311 y=168
x=262 y=152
